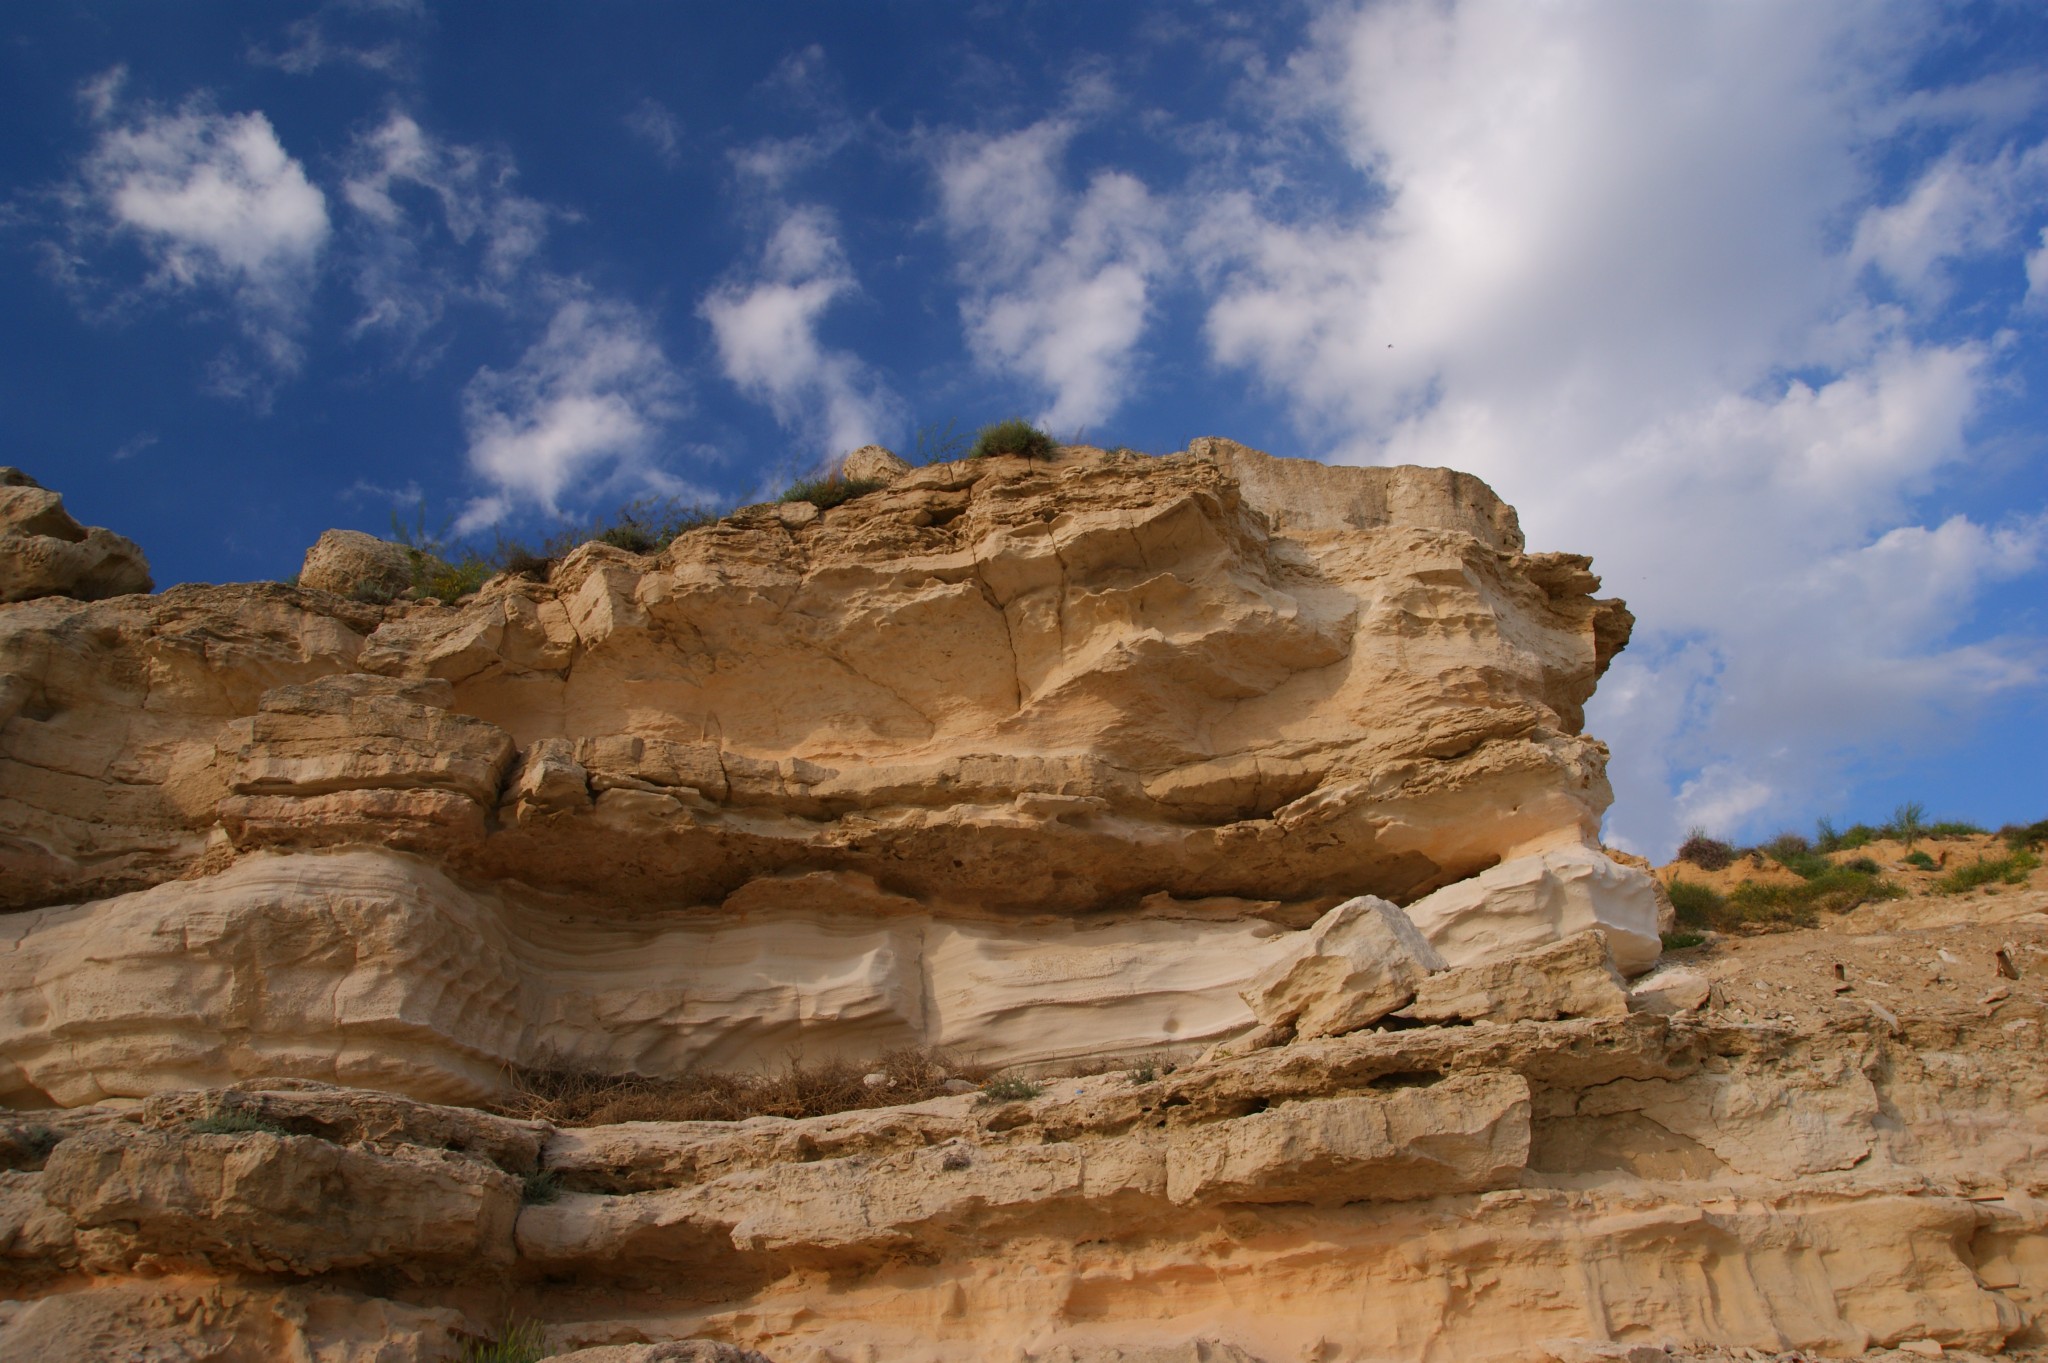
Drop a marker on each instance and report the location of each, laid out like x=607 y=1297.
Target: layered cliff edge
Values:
x=1250 y=791
x=1035 y=761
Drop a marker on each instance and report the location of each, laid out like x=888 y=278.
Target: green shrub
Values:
x=1697 y=906
x=1796 y=855
x=826 y=493
x=2019 y=837
x=523 y=1342
x=540 y=1188
x=1015 y=436
x=1709 y=854
x=235 y=1123
x=1679 y=941
x=1848 y=840
x=1954 y=828
x=1838 y=890
x=1863 y=865
x=2010 y=869
x=1009 y=1090
x=1909 y=823
x=1920 y=859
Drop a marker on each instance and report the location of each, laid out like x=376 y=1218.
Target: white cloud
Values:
x=217 y=206
x=434 y=220
x=1060 y=284
x=652 y=122
x=2037 y=272
x=766 y=329
x=581 y=411
x=1623 y=261
x=1959 y=208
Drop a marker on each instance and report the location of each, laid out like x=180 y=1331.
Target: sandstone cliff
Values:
x=1240 y=802
x=1032 y=760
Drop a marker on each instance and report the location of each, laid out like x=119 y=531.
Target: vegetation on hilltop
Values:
x=1834 y=872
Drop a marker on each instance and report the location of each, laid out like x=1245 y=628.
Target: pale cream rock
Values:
x=1680 y=989
x=1465 y=1134
x=1574 y=978
x=379 y=970
x=872 y=463
x=362 y=759
x=287 y=1204
x=174 y=1320
x=1543 y=898
x=1017 y=687
x=44 y=552
x=1360 y=962
x=351 y=563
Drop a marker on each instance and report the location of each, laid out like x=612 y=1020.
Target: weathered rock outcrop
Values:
x=1819 y=1180
x=1034 y=760
x=1083 y=768
x=351 y=563
x=44 y=552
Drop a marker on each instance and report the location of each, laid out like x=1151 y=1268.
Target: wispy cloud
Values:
x=653 y=123
x=434 y=221
x=579 y=413
x=338 y=33
x=222 y=214
x=1585 y=278
x=766 y=327
x=1059 y=284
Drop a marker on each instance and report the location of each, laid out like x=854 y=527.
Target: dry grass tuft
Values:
x=580 y=1098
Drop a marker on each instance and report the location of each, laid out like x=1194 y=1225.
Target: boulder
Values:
x=1535 y=900
x=1680 y=989
x=44 y=552
x=351 y=563
x=1360 y=962
x=1574 y=978
x=873 y=463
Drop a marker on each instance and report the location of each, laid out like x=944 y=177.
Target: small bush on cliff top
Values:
x=2020 y=837
x=826 y=493
x=1709 y=854
x=1753 y=906
x=2006 y=870
x=1015 y=436
x=580 y=1098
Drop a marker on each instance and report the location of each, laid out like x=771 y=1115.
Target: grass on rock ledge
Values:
x=581 y=1098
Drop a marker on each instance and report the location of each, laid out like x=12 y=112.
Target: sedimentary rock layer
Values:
x=1827 y=1181
x=1011 y=686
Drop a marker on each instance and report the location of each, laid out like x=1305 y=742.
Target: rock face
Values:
x=1039 y=761
x=44 y=552
x=1574 y=978
x=1080 y=768
x=1361 y=961
x=351 y=563
x=1818 y=1183
x=1527 y=902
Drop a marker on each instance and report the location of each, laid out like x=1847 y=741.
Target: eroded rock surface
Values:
x=1816 y=1181
x=45 y=552
x=1037 y=761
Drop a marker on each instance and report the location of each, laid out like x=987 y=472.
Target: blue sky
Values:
x=1750 y=301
